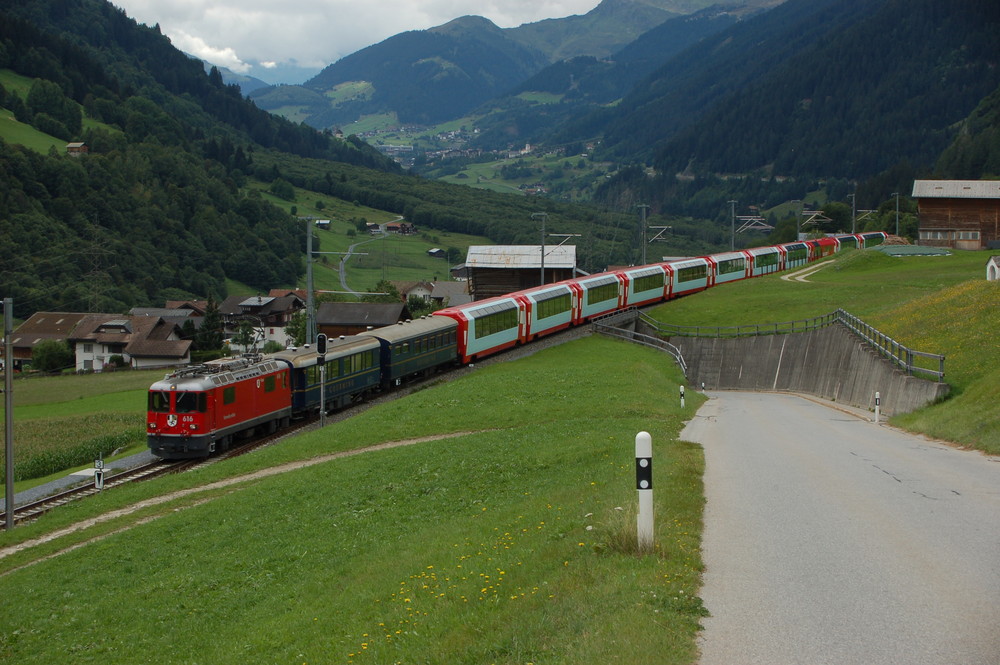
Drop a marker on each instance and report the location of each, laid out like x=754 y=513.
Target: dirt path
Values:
x=800 y=275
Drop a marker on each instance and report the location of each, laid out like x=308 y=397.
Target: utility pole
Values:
x=310 y=304
x=642 y=210
x=896 y=194
x=543 y=216
x=8 y=402
x=732 y=214
x=853 y=213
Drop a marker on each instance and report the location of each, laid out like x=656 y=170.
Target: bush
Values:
x=51 y=356
x=272 y=347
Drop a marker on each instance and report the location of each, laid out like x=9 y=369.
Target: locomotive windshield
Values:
x=190 y=403
x=184 y=402
x=159 y=401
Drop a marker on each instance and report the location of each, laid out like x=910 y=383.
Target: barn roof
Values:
x=520 y=256
x=956 y=189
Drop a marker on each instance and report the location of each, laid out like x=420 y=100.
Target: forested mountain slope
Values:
x=585 y=83
x=888 y=88
x=719 y=67
x=160 y=208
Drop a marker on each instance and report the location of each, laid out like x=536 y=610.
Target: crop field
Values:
x=65 y=422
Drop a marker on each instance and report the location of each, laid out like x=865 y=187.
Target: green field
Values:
x=507 y=540
x=504 y=533
x=393 y=257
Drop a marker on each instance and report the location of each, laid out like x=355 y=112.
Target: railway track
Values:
x=34 y=509
x=30 y=511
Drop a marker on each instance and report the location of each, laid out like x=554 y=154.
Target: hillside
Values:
x=167 y=204
x=583 y=84
x=856 y=102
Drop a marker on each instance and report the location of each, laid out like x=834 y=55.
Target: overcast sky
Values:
x=252 y=36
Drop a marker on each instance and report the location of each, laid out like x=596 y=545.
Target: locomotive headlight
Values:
x=152 y=425
x=194 y=427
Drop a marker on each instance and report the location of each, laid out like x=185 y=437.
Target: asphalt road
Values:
x=829 y=539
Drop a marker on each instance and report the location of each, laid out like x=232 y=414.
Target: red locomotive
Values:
x=198 y=410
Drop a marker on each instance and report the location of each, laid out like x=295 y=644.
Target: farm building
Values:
x=495 y=270
x=958 y=214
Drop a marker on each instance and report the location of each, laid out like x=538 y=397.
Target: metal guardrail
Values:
x=608 y=325
x=902 y=356
x=751 y=330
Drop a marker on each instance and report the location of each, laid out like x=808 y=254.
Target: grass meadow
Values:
x=394 y=257
x=509 y=539
x=504 y=532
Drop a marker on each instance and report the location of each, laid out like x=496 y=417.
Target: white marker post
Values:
x=682 y=397
x=99 y=473
x=878 y=408
x=644 y=485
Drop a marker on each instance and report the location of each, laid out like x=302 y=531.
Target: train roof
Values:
x=216 y=373
x=306 y=356
x=409 y=329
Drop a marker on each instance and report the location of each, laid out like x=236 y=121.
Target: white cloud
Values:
x=196 y=46
x=316 y=33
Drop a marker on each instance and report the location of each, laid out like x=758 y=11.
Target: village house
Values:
x=495 y=270
x=268 y=314
x=40 y=327
x=142 y=342
x=421 y=290
x=451 y=294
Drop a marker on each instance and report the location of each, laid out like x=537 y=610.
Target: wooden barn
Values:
x=958 y=214
x=495 y=270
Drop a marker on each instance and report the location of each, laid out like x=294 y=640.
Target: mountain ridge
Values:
x=488 y=59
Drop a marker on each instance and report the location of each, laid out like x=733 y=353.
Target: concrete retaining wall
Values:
x=830 y=362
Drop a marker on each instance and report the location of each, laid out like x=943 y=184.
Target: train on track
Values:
x=198 y=410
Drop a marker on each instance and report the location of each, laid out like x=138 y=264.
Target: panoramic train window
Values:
x=732 y=265
x=557 y=304
x=765 y=260
x=692 y=273
x=496 y=321
x=798 y=254
x=601 y=292
x=229 y=395
x=159 y=401
x=190 y=403
x=648 y=282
